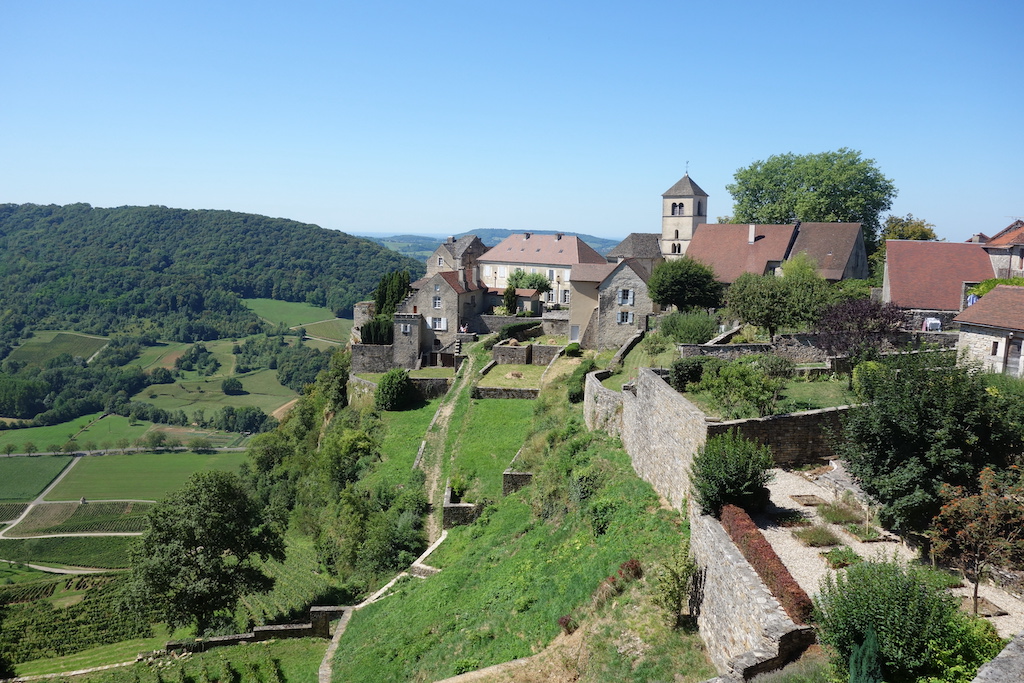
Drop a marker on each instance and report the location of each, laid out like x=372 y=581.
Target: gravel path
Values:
x=809 y=568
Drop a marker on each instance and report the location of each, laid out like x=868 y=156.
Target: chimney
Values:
x=451 y=239
x=526 y=235
x=750 y=234
x=559 y=235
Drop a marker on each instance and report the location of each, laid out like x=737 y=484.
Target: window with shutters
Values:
x=625 y=297
x=437 y=302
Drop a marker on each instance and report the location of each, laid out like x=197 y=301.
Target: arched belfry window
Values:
x=700 y=211
x=677 y=235
x=674 y=207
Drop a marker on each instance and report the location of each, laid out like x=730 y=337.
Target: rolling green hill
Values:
x=179 y=273
x=421 y=246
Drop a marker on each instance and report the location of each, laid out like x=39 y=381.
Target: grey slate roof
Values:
x=684 y=188
x=637 y=245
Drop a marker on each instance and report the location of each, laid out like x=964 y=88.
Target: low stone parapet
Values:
x=455 y=512
x=504 y=392
x=513 y=481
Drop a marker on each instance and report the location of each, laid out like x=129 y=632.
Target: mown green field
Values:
x=261 y=387
x=22 y=479
x=504 y=376
x=162 y=355
x=43 y=346
x=291 y=313
x=485 y=434
x=102 y=432
x=142 y=476
x=337 y=329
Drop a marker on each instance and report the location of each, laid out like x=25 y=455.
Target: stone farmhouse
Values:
x=609 y=303
x=992 y=330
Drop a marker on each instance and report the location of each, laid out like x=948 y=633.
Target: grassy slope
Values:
x=485 y=435
x=22 y=479
x=505 y=582
x=291 y=313
x=146 y=476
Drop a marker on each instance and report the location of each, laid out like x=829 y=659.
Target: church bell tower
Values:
x=683 y=207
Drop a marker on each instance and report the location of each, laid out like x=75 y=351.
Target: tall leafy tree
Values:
x=926 y=422
x=684 y=283
x=200 y=553
x=520 y=279
x=825 y=187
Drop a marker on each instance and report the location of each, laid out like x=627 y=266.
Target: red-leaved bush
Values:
x=759 y=553
x=631 y=570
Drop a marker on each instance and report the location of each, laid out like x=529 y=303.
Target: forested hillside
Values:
x=179 y=273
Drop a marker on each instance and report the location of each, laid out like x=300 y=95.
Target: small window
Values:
x=437 y=287
x=551 y=273
x=406 y=328
x=437 y=302
x=625 y=297
x=625 y=317
x=551 y=297
x=501 y=271
x=995 y=348
x=565 y=296
x=440 y=260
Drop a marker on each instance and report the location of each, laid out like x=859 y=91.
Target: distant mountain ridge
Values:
x=181 y=273
x=422 y=246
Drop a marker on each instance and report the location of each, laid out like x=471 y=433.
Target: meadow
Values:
x=204 y=393
x=485 y=434
x=161 y=355
x=291 y=313
x=138 y=476
x=24 y=478
x=101 y=431
x=505 y=376
x=403 y=430
x=47 y=344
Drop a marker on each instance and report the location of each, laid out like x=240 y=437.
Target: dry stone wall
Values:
x=795 y=439
x=602 y=407
x=372 y=358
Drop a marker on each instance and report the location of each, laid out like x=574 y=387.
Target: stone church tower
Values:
x=683 y=207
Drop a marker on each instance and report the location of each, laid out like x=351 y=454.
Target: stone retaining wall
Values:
x=513 y=481
x=455 y=513
x=543 y=354
x=372 y=358
x=795 y=439
x=507 y=354
x=319 y=627
x=432 y=387
x=504 y=392
x=744 y=627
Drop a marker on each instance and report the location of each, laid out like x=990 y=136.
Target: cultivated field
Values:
x=291 y=313
x=139 y=476
x=106 y=552
x=337 y=329
x=45 y=345
x=79 y=518
x=22 y=479
x=101 y=432
x=162 y=355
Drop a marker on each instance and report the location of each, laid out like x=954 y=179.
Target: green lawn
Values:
x=291 y=313
x=337 y=329
x=43 y=346
x=22 y=479
x=145 y=476
x=104 y=432
x=261 y=387
x=639 y=358
x=485 y=434
x=403 y=432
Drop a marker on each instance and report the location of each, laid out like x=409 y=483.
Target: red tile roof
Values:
x=831 y=245
x=726 y=248
x=452 y=278
x=1003 y=307
x=548 y=250
x=592 y=272
x=930 y=275
x=1008 y=236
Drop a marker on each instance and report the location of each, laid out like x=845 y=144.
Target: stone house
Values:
x=554 y=256
x=1006 y=250
x=992 y=329
x=609 y=303
x=440 y=306
x=457 y=254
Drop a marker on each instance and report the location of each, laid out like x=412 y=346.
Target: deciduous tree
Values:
x=898 y=228
x=826 y=187
x=684 y=283
x=986 y=529
x=200 y=552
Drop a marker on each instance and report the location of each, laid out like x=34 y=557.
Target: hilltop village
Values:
x=708 y=451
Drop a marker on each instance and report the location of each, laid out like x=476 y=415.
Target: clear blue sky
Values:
x=440 y=117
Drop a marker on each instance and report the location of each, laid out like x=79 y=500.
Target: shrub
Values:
x=759 y=553
x=817 y=536
x=672 y=583
x=920 y=630
x=840 y=557
x=567 y=624
x=654 y=344
x=731 y=469
x=738 y=387
x=841 y=512
x=573 y=350
x=231 y=386
x=770 y=364
x=577 y=380
x=379 y=330
x=690 y=370
x=395 y=390
x=631 y=570
x=689 y=328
